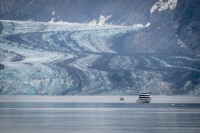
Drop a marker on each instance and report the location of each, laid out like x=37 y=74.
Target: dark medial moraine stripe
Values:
x=1 y=66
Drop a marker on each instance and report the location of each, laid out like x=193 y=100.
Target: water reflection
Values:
x=98 y=118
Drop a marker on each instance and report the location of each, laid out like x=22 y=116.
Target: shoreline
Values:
x=98 y=99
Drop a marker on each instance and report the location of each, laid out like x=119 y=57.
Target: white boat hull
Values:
x=146 y=100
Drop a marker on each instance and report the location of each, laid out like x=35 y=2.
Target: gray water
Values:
x=99 y=118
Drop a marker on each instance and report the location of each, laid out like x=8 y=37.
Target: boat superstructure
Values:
x=144 y=97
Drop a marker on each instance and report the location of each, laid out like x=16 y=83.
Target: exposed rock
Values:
x=112 y=47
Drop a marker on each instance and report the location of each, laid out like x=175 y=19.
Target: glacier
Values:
x=41 y=58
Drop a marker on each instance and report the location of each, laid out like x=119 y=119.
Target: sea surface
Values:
x=87 y=117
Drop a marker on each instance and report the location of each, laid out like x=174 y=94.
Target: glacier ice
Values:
x=79 y=59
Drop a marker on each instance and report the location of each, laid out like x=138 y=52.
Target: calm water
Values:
x=98 y=118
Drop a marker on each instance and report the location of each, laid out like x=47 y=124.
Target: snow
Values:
x=93 y=22
x=148 y=24
x=103 y=19
x=162 y=5
x=181 y=43
x=53 y=13
x=52 y=20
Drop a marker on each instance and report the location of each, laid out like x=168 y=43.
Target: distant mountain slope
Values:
x=174 y=23
x=128 y=11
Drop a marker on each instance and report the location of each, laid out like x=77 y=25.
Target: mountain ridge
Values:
x=102 y=55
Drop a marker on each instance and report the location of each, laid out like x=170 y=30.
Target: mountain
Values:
x=92 y=47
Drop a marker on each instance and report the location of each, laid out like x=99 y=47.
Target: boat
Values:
x=144 y=97
x=121 y=99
